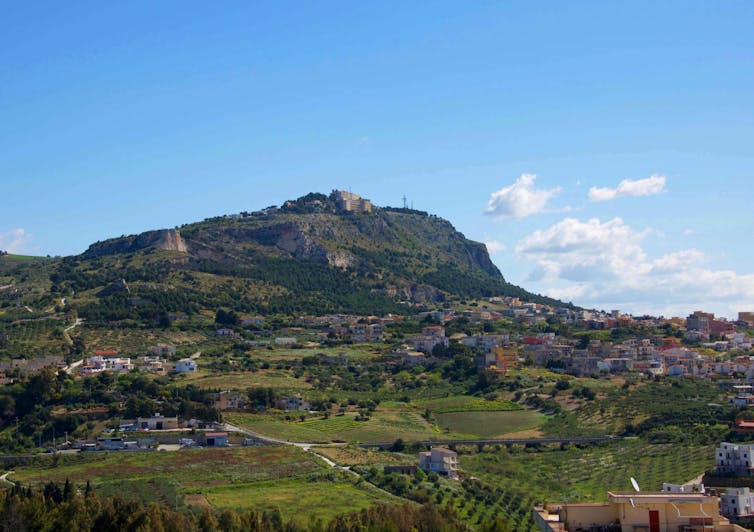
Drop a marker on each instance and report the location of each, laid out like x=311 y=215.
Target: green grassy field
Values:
x=354 y=353
x=465 y=403
x=281 y=380
x=482 y=424
x=32 y=338
x=297 y=500
x=188 y=468
x=295 y=482
x=135 y=341
x=384 y=425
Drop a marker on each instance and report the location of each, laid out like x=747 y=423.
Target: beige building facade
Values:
x=638 y=511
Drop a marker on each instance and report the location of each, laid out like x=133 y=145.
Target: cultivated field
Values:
x=295 y=482
x=298 y=500
x=492 y=424
x=281 y=380
x=383 y=425
x=510 y=482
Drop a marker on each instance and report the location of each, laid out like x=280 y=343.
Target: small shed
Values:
x=216 y=439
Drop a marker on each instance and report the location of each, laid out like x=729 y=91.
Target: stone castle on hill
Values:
x=350 y=202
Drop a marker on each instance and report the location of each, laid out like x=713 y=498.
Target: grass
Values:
x=384 y=425
x=388 y=423
x=164 y=490
x=464 y=403
x=283 y=477
x=489 y=424
x=29 y=338
x=281 y=380
x=353 y=353
x=356 y=456
x=298 y=500
x=135 y=341
x=188 y=468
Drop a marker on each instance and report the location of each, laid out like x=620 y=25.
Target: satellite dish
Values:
x=635 y=484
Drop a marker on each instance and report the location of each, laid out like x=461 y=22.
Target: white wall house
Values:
x=185 y=365
x=441 y=461
x=735 y=458
x=737 y=502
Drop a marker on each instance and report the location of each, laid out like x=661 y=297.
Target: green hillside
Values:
x=307 y=256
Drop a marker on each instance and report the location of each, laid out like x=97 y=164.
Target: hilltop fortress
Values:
x=350 y=202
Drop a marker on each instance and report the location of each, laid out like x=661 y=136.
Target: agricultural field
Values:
x=465 y=403
x=491 y=424
x=457 y=417
x=134 y=342
x=250 y=477
x=189 y=468
x=281 y=380
x=383 y=426
x=352 y=455
x=358 y=353
x=34 y=337
x=297 y=500
x=510 y=482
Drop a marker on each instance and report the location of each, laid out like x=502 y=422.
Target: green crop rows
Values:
x=510 y=482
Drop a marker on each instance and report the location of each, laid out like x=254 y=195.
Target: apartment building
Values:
x=735 y=458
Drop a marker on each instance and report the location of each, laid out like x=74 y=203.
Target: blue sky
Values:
x=116 y=119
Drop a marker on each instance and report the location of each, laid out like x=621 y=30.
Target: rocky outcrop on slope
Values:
x=166 y=239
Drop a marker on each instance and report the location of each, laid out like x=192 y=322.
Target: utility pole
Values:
x=404 y=201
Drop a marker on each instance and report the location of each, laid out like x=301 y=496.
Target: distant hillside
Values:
x=316 y=254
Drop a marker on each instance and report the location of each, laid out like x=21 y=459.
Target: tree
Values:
x=226 y=317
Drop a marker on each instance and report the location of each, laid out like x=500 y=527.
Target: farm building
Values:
x=157 y=422
x=216 y=439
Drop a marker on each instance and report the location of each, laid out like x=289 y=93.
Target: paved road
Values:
x=4 y=478
x=76 y=323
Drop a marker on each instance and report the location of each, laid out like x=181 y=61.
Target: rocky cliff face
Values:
x=303 y=240
x=167 y=239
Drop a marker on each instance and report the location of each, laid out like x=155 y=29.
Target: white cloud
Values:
x=649 y=186
x=568 y=294
x=578 y=251
x=604 y=265
x=520 y=199
x=15 y=240
x=493 y=246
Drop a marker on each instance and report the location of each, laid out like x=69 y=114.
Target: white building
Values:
x=737 y=502
x=735 y=458
x=99 y=363
x=185 y=365
x=441 y=461
x=682 y=488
